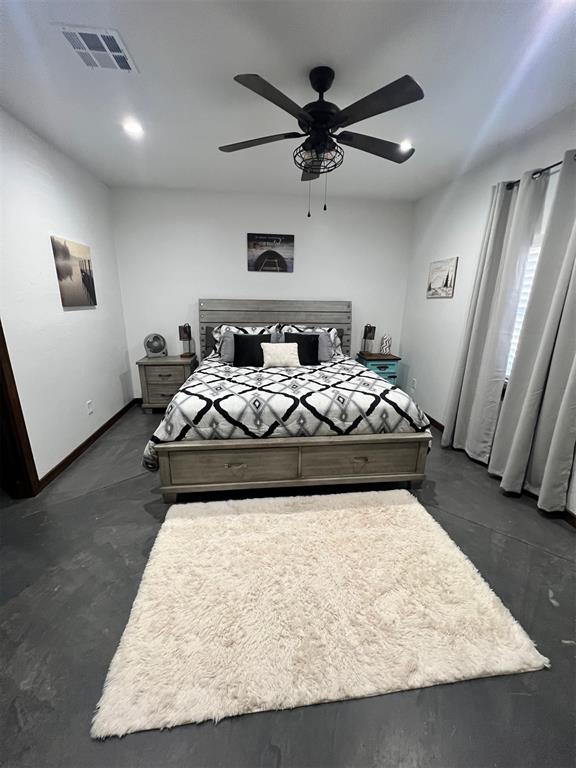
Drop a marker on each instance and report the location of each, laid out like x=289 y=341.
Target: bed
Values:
x=239 y=427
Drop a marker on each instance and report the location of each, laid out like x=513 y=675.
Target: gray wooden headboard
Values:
x=213 y=312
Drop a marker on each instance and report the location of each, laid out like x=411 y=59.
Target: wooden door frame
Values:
x=30 y=482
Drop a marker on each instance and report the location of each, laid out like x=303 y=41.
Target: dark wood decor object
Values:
x=378 y=356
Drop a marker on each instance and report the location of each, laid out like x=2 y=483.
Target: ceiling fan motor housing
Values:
x=321 y=78
x=319 y=140
x=322 y=114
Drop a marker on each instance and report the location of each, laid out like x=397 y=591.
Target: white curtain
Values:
x=474 y=401
x=535 y=439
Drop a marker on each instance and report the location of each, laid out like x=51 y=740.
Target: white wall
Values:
x=450 y=222
x=175 y=247
x=61 y=358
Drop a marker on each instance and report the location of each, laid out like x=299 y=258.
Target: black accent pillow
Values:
x=307 y=346
x=247 y=349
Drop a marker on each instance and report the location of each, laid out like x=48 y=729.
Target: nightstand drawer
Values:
x=167 y=374
x=384 y=368
x=161 y=394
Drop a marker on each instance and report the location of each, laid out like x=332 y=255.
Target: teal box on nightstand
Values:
x=384 y=365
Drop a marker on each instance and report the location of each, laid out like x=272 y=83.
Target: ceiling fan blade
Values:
x=386 y=149
x=267 y=91
x=309 y=176
x=257 y=142
x=403 y=91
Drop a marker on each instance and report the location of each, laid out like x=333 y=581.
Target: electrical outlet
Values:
x=90 y=407
x=413 y=385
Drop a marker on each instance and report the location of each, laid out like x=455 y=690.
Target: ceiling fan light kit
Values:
x=314 y=161
x=319 y=121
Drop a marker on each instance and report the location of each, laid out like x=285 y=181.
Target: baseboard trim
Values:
x=435 y=423
x=77 y=452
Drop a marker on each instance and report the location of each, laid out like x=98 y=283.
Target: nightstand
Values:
x=384 y=365
x=162 y=377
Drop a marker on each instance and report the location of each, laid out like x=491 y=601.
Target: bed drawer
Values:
x=361 y=459
x=238 y=466
x=166 y=374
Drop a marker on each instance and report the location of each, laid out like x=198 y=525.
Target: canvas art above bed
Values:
x=270 y=253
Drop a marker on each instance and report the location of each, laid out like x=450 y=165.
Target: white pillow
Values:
x=280 y=355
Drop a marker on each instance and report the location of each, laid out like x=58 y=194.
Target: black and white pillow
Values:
x=223 y=336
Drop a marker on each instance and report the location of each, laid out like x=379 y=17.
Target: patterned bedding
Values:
x=339 y=397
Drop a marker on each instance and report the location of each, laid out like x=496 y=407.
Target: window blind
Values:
x=527 y=280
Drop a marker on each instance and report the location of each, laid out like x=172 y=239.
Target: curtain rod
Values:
x=539 y=172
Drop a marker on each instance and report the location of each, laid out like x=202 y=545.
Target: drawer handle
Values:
x=235 y=467
x=166 y=394
x=360 y=460
x=164 y=375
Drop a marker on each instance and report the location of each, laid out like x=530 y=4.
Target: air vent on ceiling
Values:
x=99 y=48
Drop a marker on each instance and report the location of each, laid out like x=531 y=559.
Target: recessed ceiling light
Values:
x=406 y=145
x=133 y=128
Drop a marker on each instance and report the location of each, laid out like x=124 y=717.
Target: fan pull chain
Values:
x=309 y=192
x=325 y=190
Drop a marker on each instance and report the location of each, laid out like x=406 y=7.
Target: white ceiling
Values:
x=490 y=71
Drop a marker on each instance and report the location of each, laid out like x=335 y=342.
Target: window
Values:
x=527 y=280
x=529 y=272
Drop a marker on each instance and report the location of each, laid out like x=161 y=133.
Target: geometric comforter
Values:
x=340 y=397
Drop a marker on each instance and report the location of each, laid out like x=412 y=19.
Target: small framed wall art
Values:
x=270 y=253
x=74 y=272
x=441 y=278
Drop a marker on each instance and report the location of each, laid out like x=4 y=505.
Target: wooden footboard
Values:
x=219 y=465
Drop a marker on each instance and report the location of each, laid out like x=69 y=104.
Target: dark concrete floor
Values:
x=71 y=563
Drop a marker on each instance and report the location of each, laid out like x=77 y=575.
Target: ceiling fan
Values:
x=319 y=121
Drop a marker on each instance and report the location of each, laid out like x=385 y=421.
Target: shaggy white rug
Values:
x=274 y=603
